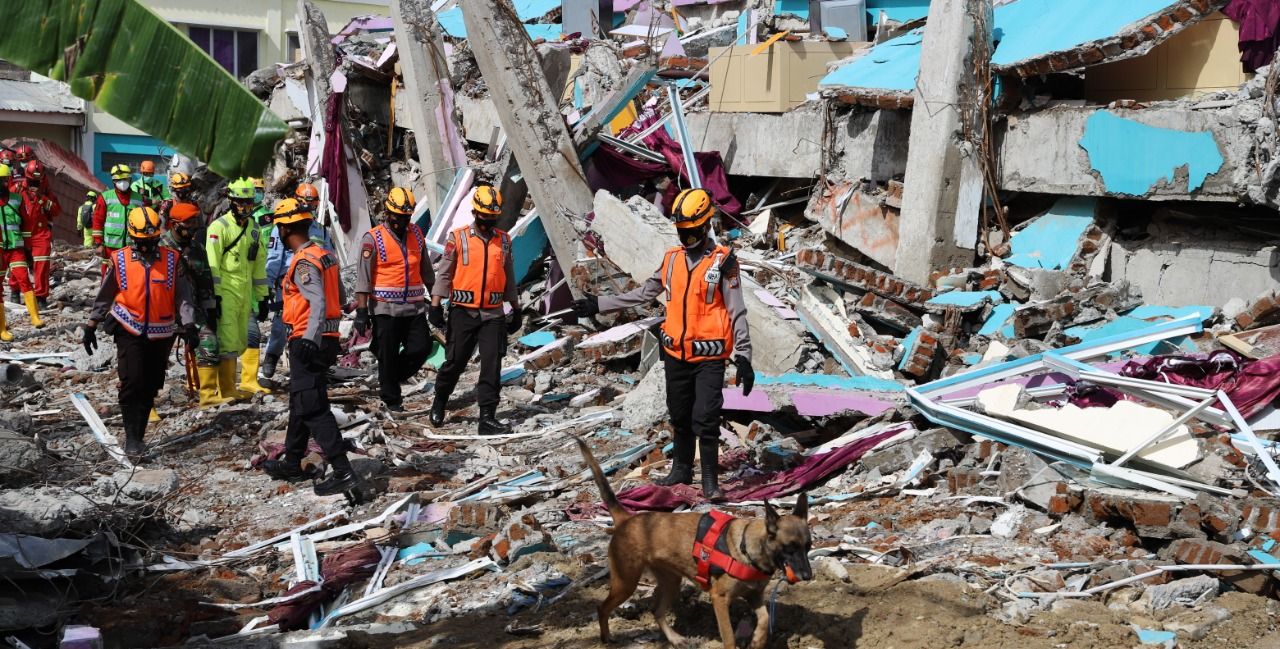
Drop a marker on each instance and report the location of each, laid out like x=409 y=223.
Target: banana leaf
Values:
x=137 y=67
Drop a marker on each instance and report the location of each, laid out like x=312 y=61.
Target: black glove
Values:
x=362 y=321
x=435 y=316
x=264 y=309
x=586 y=307
x=191 y=336
x=514 y=320
x=308 y=351
x=746 y=375
x=89 y=337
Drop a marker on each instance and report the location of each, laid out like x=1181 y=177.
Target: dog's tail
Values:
x=616 y=510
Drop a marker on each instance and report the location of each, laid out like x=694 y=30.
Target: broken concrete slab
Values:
x=645 y=406
x=832 y=330
x=20 y=458
x=634 y=235
x=617 y=342
x=835 y=269
x=1191 y=591
x=817 y=395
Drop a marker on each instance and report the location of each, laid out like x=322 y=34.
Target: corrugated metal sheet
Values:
x=38 y=97
x=69 y=179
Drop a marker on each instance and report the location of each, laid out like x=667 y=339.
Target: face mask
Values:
x=398 y=223
x=692 y=238
x=258 y=195
x=145 y=246
x=122 y=185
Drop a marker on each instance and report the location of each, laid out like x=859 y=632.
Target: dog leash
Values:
x=773 y=604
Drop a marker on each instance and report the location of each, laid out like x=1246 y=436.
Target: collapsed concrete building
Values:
x=1011 y=276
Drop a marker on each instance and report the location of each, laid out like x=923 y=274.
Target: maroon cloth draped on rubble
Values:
x=813 y=470
x=338 y=570
x=333 y=161
x=1259 y=22
x=1251 y=384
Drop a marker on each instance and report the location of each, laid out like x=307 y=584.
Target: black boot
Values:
x=134 y=418
x=710 y=450
x=287 y=470
x=268 y=368
x=342 y=479
x=681 y=462
x=489 y=424
x=438 y=406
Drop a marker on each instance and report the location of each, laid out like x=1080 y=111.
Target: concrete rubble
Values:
x=1052 y=396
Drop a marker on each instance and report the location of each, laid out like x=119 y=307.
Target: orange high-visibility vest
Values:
x=479 y=277
x=697 y=327
x=147 y=302
x=397 y=275
x=297 y=310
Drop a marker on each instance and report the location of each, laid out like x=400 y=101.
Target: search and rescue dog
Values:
x=729 y=557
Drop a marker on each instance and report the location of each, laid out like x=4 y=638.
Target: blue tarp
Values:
x=1024 y=29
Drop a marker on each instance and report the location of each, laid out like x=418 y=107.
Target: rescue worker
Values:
x=22 y=154
x=8 y=159
x=278 y=260
x=149 y=301
x=394 y=269
x=262 y=212
x=150 y=189
x=84 y=217
x=180 y=192
x=39 y=208
x=186 y=234
x=237 y=257
x=706 y=325
x=312 y=312
x=13 y=252
x=476 y=274
x=111 y=214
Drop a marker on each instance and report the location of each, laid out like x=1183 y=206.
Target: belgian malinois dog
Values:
x=663 y=543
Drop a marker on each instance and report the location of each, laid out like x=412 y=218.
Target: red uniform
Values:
x=39 y=208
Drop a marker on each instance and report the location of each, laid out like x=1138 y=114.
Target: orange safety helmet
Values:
x=179 y=180
x=183 y=212
x=147 y=167
x=308 y=194
x=24 y=153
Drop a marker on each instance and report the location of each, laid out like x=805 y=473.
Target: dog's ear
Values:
x=801 y=510
x=770 y=519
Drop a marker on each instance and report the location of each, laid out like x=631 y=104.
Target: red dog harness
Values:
x=711 y=552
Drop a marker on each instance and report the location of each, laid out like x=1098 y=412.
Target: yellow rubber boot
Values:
x=227 y=381
x=30 y=299
x=4 y=327
x=209 y=396
x=249 y=362
x=153 y=417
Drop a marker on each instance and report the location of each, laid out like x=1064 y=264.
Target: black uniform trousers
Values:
x=309 y=413
x=401 y=344
x=141 y=362
x=695 y=396
x=467 y=331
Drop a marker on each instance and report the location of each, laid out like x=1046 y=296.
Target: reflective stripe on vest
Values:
x=697 y=327
x=146 y=304
x=113 y=228
x=480 y=277
x=397 y=275
x=297 y=310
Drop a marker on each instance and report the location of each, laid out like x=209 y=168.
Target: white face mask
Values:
x=122 y=185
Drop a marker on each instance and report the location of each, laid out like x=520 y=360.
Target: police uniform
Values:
x=476 y=275
x=395 y=273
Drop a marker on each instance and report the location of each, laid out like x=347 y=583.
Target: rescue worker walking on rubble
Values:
x=706 y=325
x=13 y=252
x=475 y=274
x=312 y=312
x=236 y=251
x=181 y=191
x=186 y=234
x=84 y=217
x=395 y=271
x=149 y=301
x=278 y=259
x=150 y=189
x=111 y=214
x=39 y=208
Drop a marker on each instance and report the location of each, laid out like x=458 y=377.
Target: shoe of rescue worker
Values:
x=249 y=371
x=287 y=470
x=4 y=327
x=135 y=426
x=227 y=381
x=267 y=370
x=395 y=407
x=209 y=396
x=339 y=481
x=489 y=424
x=710 y=451
x=438 y=411
x=30 y=299
x=681 y=462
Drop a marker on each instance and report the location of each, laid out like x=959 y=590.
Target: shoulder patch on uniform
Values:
x=366 y=252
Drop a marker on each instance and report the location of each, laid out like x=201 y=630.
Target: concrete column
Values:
x=313 y=33
x=939 y=220
x=424 y=69
x=530 y=116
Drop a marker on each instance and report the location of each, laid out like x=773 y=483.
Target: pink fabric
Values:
x=1251 y=384
x=1259 y=22
x=760 y=486
x=333 y=163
